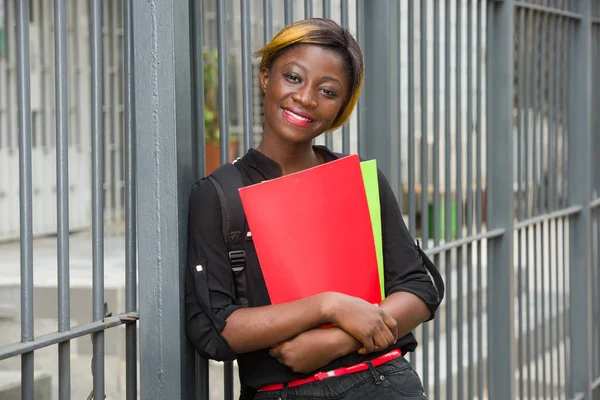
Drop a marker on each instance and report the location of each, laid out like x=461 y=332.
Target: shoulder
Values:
x=203 y=196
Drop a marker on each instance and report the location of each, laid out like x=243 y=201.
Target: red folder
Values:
x=312 y=232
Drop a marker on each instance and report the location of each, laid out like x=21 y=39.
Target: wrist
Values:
x=326 y=307
x=343 y=343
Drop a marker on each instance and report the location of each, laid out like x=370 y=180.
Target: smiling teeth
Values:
x=299 y=118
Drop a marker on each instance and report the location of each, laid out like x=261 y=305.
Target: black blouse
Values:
x=208 y=308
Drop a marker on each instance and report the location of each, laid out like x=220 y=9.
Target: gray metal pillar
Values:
x=377 y=105
x=500 y=210
x=579 y=175
x=163 y=86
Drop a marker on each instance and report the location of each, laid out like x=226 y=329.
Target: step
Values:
x=10 y=385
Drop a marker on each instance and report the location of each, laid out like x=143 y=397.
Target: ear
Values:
x=264 y=79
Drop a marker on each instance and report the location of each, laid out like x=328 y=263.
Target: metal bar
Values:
x=550 y=112
x=397 y=116
x=326 y=8
x=346 y=127
x=557 y=290
x=412 y=206
x=228 y=381
x=565 y=212
x=535 y=92
x=267 y=20
x=527 y=212
x=200 y=364
x=595 y=203
x=566 y=67
x=412 y=201
x=162 y=69
x=528 y=118
x=469 y=219
x=447 y=198
x=97 y=193
x=308 y=8
x=75 y=332
x=580 y=182
x=107 y=128
x=459 y=193
x=436 y=183
x=247 y=75
x=223 y=80
x=327 y=14
x=500 y=209
x=479 y=196
x=376 y=91
x=288 y=10
x=522 y=52
x=423 y=26
x=62 y=191
x=361 y=108
x=25 y=193
x=117 y=110
x=130 y=202
x=487 y=235
x=568 y=379
x=547 y=10
x=198 y=62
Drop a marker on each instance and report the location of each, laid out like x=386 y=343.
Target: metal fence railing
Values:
x=482 y=114
x=61 y=132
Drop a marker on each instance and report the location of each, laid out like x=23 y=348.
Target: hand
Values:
x=368 y=323
x=308 y=351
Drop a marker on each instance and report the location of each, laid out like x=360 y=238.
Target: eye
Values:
x=292 y=78
x=329 y=93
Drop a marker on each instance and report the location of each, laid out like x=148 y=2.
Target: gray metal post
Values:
x=375 y=98
x=500 y=210
x=579 y=193
x=162 y=71
x=25 y=193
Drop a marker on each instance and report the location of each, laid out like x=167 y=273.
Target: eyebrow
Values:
x=325 y=78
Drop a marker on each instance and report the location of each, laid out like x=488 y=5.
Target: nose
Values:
x=305 y=98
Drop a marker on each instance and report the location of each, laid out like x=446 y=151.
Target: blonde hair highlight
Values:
x=314 y=31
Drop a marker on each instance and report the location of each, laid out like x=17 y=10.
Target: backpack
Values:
x=227 y=179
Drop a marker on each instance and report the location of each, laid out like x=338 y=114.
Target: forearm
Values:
x=255 y=328
x=407 y=309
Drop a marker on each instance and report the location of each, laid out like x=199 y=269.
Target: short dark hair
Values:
x=327 y=33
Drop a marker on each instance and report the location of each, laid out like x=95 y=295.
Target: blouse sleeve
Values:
x=209 y=286
x=404 y=270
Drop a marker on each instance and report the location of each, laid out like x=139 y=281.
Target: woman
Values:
x=311 y=76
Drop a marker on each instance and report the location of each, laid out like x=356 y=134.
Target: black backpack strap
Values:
x=227 y=179
x=435 y=274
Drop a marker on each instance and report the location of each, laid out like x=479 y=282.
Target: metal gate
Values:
x=483 y=115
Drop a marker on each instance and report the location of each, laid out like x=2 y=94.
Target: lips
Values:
x=296 y=117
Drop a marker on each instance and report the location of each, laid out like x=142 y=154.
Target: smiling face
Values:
x=305 y=90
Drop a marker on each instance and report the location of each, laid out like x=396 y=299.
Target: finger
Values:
x=369 y=345
x=380 y=340
x=389 y=336
x=275 y=352
x=392 y=324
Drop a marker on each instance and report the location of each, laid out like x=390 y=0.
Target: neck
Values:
x=291 y=157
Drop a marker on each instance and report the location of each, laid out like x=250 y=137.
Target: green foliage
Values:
x=211 y=107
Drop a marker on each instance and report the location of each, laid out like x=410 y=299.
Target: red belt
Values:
x=319 y=376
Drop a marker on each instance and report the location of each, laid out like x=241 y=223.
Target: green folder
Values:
x=369 y=173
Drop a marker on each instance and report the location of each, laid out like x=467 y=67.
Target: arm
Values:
x=411 y=296
x=220 y=329
x=315 y=348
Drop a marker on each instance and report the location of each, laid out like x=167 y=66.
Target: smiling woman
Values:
x=311 y=76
